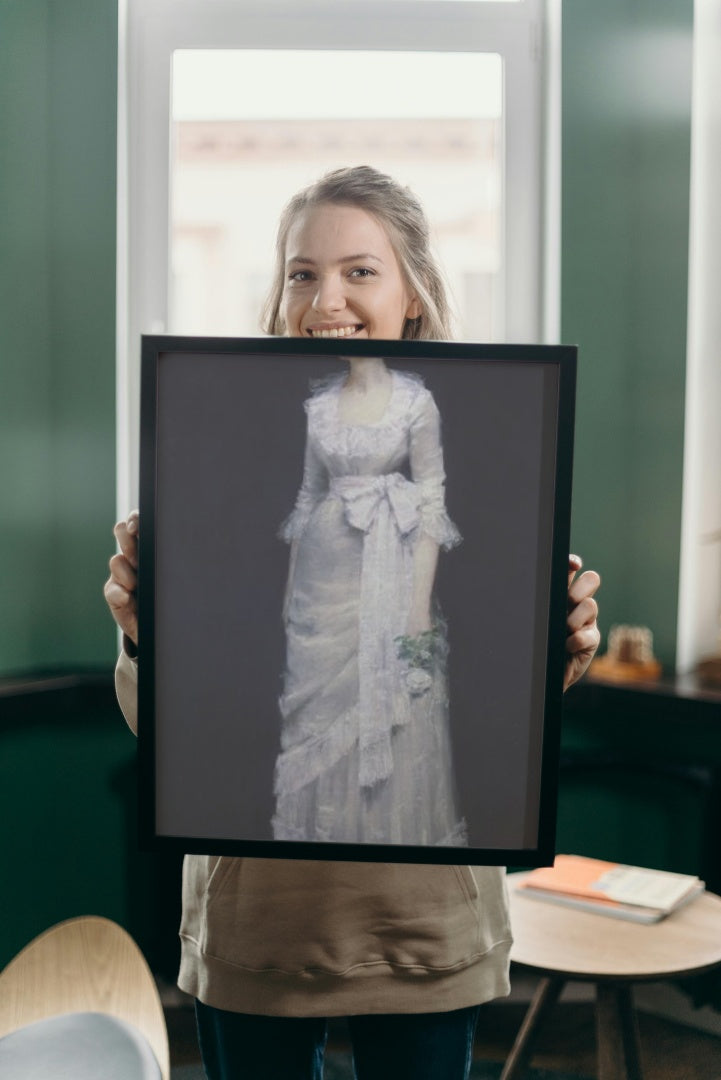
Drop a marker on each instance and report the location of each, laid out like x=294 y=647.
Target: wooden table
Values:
x=563 y=944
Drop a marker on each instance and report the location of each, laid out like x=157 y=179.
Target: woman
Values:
x=271 y=948
x=365 y=745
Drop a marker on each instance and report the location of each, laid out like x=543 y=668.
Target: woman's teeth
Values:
x=336 y=332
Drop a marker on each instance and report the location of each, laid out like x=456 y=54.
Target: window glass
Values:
x=251 y=127
x=472 y=1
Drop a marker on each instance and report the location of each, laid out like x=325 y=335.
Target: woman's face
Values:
x=342 y=277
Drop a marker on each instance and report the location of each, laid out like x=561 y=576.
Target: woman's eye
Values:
x=300 y=276
x=362 y=272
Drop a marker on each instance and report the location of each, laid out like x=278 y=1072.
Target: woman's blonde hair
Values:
x=400 y=212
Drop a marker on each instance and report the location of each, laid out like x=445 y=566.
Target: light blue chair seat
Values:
x=78 y=1046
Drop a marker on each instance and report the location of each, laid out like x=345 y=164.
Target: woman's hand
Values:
x=583 y=636
x=121 y=587
x=419 y=622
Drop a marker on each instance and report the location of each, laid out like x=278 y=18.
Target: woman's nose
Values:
x=329 y=295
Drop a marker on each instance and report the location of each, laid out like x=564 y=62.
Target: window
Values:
x=236 y=161
x=215 y=136
x=699 y=623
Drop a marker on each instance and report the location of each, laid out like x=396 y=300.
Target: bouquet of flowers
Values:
x=419 y=653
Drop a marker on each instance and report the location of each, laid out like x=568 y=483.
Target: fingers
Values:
x=584 y=586
x=120 y=601
x=583 y=613
x=586 y=640
x=123 y=572
x=123 y=608
x=121 y=587
x=582 y=633
x=575 y=562
x=126 y=534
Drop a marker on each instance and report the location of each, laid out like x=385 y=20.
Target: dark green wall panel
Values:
x=26 y=392
x=626 y=144
x=58 y=79
x=641 y=778
x=82 y=299
x=68 y=804
x=69 y=844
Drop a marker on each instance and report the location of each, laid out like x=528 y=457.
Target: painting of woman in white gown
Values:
x=365 y=745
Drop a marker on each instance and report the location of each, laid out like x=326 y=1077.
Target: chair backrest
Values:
x=88 y=964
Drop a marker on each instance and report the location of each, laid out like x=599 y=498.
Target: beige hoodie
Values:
x=287 y=937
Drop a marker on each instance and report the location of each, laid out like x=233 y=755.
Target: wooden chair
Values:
x=85 y=967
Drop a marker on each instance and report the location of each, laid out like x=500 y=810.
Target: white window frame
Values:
x=699 y=598
x=525 y=34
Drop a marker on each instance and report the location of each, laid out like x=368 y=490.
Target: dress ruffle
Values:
x=295 y=524
x=438 y=525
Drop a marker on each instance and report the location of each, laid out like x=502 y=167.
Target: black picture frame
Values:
x=222 y=442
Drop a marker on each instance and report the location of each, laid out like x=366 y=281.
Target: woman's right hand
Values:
x=121 y=587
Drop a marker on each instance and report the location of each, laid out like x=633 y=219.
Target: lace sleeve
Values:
x=426 y=460
x=313 y=487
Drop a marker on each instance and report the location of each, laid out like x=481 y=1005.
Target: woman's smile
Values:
x=335 y=331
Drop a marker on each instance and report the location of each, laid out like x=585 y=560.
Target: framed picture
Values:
x=352 y=597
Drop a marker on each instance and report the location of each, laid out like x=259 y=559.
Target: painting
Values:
x=352 y=597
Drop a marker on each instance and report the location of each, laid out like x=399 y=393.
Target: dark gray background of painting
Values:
x=231 y=435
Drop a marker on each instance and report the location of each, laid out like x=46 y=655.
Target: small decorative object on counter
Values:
x=629 y=657
x=709 y=670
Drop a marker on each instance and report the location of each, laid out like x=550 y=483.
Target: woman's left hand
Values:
x=419 y=620
x=583 y=636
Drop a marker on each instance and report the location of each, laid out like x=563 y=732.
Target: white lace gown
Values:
x=365 y=749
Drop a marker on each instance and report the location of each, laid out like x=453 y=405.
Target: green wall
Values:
x=626 y=146
x=58 y=73
x=67 y=761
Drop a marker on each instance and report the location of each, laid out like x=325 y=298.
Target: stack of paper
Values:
x=624 y=892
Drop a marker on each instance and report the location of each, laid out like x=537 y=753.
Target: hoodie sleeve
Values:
x=126 y=688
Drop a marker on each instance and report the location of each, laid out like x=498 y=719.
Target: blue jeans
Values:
x=415 y=1046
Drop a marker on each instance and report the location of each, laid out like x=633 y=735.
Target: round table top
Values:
x=559 y=940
